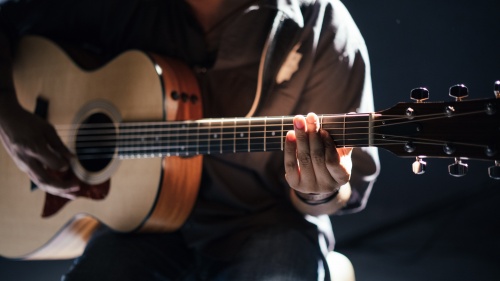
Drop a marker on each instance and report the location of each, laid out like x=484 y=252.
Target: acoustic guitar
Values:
x=136 y=128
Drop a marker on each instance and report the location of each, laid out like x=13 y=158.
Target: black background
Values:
x=427 y=227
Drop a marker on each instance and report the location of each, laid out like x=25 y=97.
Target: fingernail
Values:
x=298 y=124
x=312 y=118
x=65 y=168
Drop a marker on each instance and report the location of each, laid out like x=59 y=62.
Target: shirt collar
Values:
x=290 y=8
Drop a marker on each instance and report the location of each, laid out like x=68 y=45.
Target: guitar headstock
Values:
x=460 y=129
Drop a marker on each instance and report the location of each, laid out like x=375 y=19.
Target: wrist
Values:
x=314 y=199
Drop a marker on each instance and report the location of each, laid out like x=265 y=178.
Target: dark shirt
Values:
x=244 y=191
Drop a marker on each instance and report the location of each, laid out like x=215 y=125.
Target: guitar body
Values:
x=150 y=194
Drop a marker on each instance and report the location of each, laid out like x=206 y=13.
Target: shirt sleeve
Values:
x=340 y=82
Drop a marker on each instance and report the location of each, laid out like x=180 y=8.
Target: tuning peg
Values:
x=419 y=94
x=494 y=171
x=458 y=169
x=459 y=92
x=496 y=89
x=418 y=166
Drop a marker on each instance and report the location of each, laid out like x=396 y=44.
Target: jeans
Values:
x=271 y=254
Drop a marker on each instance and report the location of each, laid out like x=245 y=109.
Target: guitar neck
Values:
x=217 y=136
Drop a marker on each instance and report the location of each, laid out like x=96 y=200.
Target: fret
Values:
x=209 y=136
x=143 y=145
x=348 y=129
x=248 y=134
x=162 y=139
x=159 y=139
x=282 y=132
x=287 y=126
x=227 y=139
x=256 y=135
x=203 y=137
x=234 y=135
x=167 y=137
x=241 y=134
x=197 y=138
x=215 y=136
x=153 y=129
x=273 y=134
x=135 y=142
x=265 y=130
x=172 y=139
x=191 y=138
x=335 y=126
x=357 y=128
x=181 y=139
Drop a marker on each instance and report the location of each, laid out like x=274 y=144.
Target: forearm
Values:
x=328 y=208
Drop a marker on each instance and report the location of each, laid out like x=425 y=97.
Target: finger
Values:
x=69 y=193
x=56 y=143
x=292 y=172
x=307 y=178
x=46 y=154
x=59 y=192
x=338 y=169
x=324 y=180
x=44 y=177
x=50 y=158
x=345 y=158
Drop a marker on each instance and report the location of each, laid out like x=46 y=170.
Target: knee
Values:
x=341 y=268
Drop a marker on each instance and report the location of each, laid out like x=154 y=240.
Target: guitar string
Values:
x=155 y=138
x=112 y=130
x=182 y=147
x=176 y=125
x=146 y=144
x=214 y=145
x=142 y=139
x=76 y=127
x=129 y=143
x=224 y=146
x=277 y=119
x=188 y=152
x=176 y=144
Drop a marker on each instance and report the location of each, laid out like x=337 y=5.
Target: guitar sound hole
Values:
x=96 y=142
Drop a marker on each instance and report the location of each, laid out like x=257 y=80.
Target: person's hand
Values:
x=313 y=164
x=38 y=151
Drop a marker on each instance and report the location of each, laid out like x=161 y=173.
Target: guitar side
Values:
x=153 y=194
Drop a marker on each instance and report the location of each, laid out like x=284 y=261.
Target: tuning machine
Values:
x=459 y=92
x=419 y=94
x=494 y=171
x=458 y=169
x=496 y=89
x=419 y=166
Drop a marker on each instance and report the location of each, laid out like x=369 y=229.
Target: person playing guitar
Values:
x=254 y=216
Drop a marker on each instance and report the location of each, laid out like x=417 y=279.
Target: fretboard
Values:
x=217 y=136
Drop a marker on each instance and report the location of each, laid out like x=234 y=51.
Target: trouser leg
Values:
x=278 y=255
x=111 y=256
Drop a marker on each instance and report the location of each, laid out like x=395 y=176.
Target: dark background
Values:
x=427 y=227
